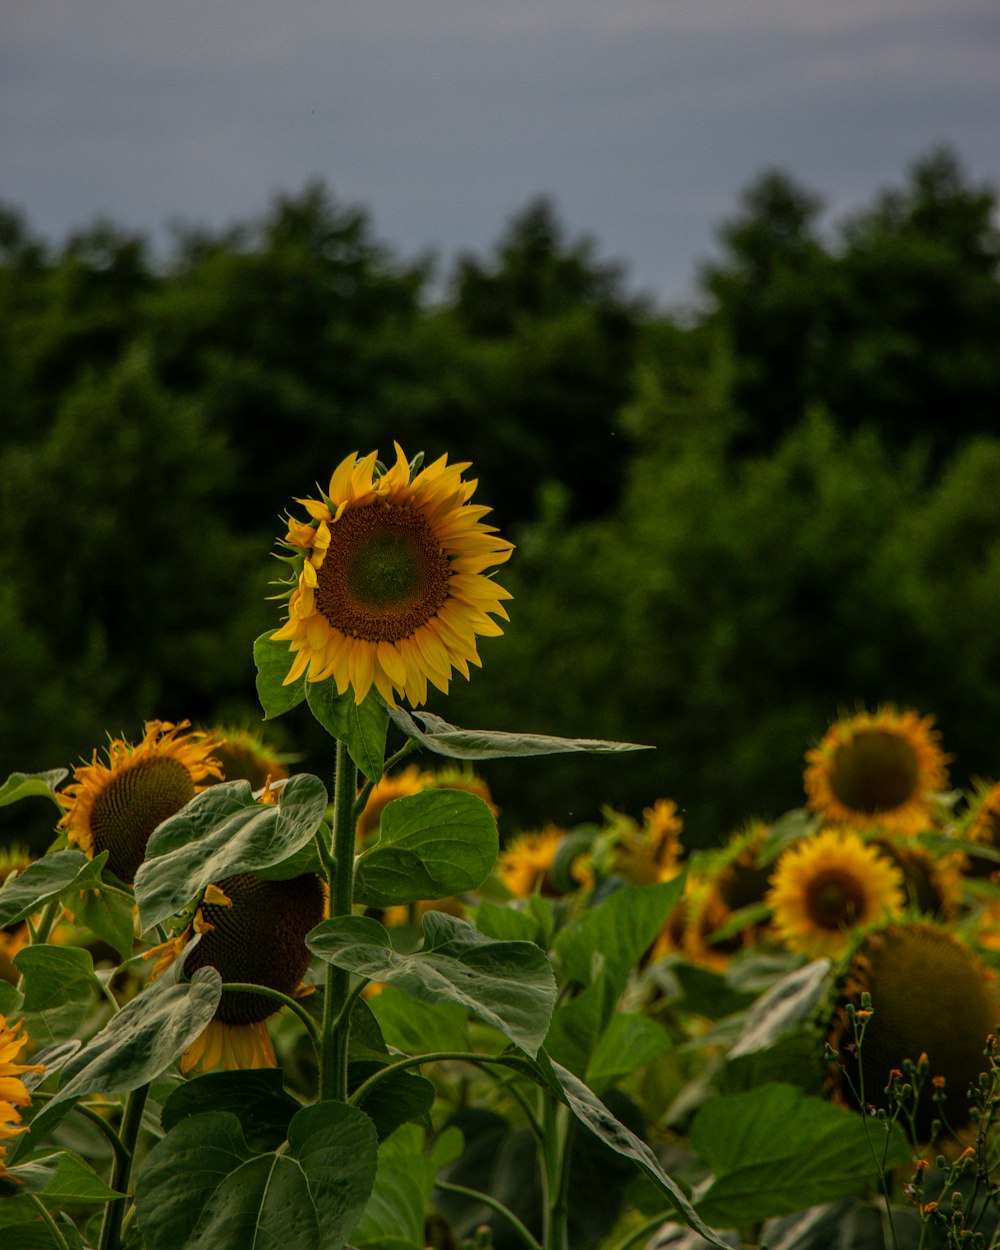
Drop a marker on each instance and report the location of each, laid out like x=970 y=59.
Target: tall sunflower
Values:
x=13 y=1093
x=826 y=885
x=879 y=768
x=388 y=583
x=253 y=931
x=932 y=1002
x=115 y=806
x=527 y=862
x=647 y=853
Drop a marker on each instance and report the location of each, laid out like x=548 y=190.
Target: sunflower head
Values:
x=930 y=997
x=825 y=886
x=933 y=884
x=115 y=806
x=13 y=1092
x=388 y=587
x=644 y=853
x=983 y=828
x=13 y=859
x=244 y=755
x=526 y=864
x=877 y=769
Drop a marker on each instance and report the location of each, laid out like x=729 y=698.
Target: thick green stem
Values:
x=557 y=1125
x=121 y=1176
x=415 y=1061
x=247 y=987
x=333 y=1048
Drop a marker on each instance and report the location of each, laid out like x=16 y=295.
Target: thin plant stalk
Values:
x=340 y=877
x=121 y=1176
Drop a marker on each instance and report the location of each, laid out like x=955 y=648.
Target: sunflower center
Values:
x=384 y=575
x=834 y=899
x=130 y=807
x=876 y=772
x=260 y=939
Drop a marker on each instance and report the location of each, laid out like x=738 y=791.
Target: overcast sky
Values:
x=642 y=119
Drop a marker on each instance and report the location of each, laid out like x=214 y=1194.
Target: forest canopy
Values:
x=732 y=523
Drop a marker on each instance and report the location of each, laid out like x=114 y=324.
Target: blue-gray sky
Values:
x=642 y=119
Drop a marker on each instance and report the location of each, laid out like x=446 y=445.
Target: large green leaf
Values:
x=137 y=1044
x=257 y=1097
x=62 y=1177
x=508 y=984
x=59 y=988
x=223 y=831
x=395 y=1100
x=783 y=1007
x=774 y=1150
x=273 y=660
x=29 y=785
x=202 y=1188
x=431 y=845
x=589 y=1109
x=360 y=726
x=416 y=1027
x=614 y=935
x=578 y=1023
x=108 y=913
x=394 y=1216
x=47 y=879
x=486 y=744
x=630 y=1041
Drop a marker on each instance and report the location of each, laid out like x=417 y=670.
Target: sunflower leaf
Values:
x=202 y=1188
x=133 y=1048
x=223 y=831
x=257 y=1098
x=26 y=785
x=59 y=986
x=46 y=880
x=431 y=845
x=485 y=744
x=394 y=1216
x=62 y=1177
x=509 y=985
x=774 y=1150
x=362 y=727
x=273 y=660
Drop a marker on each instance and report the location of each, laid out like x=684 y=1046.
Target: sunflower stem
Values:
x=408 y=747
x=340 y=874
x=557 y=1134
x=489 y=1201
x=121 y=1175
x=247 y=987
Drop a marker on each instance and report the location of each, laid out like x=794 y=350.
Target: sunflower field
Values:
x=240 y=1009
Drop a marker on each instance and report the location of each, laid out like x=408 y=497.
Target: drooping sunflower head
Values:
x=389 y=587
x=527 y=862
x=825 y=886
x=115 y=806
x=252 y=931
x=464 y=778
x=879 y=768
x=244 y=755
x=932 y=883
x=13 y=1092
x=933 y=1003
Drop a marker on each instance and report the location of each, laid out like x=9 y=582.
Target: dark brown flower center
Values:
x=385 y=573
x=834 y=899
x=259 y=940
x=130 y=807
x=876 y=772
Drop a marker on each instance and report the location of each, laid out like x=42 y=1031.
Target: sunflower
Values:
x=388 y=586
x=13 y=1093
x=824 y=886
x=983 y=828
x=253 y=931
x=115 y=807
x=877 y=769
x=650 y=852
x=13 y=859
x=526 y=864
x=933 y=1003
x=245 y=756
